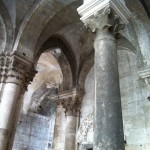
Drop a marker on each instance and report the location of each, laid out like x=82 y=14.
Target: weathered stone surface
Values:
x=88 y=99
x=135 y=104
x=60 y=129
x=15 y=69
x=104 y=18
x=15 y=75
x=108 y=131
x=4 y=135
x=71 y=129
x=34 y=132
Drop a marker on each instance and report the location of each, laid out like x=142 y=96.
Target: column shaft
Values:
x=71 y=128
x=8 y=112
x=108 y=126
x=15 y=74
x=59 y=130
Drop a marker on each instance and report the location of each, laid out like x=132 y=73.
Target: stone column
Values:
x=72 y=111
x=108 y=131
x=59 y=129
x=71 y=129
x=71 y=101
x=15 y=75
x=106 y=18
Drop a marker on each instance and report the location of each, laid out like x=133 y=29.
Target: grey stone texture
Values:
x=60 y=129
x=108 y=126
x=4 y=135
x=88 y=99
x=70 y=136
x=34 y=132
x=135 y=105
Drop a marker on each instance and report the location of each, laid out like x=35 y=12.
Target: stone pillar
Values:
x=71 y=102
x=71 y=129
x=106 y=18
x=108 y=131
x=72 y=111
x=15 y=75
x=59 y=129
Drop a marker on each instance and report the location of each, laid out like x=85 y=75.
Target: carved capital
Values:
x=100 y=14
x=14 y=69
x=71 y=101
x=72 y=106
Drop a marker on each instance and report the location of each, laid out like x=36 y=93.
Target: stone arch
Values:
x=124 y=43
x=6 y=29
x=2 y=35
x=31 y=30
x=66 y=60
x=67 y=83
x=45 y=83
x=85 y=66
x=139 y=22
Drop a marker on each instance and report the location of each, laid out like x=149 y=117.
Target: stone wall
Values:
x=34 y=132
x=83 y=137
x=87 y=103
x=135 y=105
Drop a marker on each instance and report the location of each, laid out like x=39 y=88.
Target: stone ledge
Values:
x=98 y=6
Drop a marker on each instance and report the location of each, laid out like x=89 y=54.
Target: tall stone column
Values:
x=72 y=118
x=71 y=102
x=106 y=18
x=108 y=131
x=15 y=74
x=59 y=129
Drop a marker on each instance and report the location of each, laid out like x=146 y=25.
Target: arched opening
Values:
x=46 y=82
x=66 y=59
x=36 y=123
x=56 y=72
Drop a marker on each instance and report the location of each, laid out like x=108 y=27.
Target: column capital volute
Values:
x=16 y=69
x=98 y=14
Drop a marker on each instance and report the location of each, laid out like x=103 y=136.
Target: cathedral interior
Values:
x=74 y=74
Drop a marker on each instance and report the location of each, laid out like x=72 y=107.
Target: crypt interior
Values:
x=74 y=74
